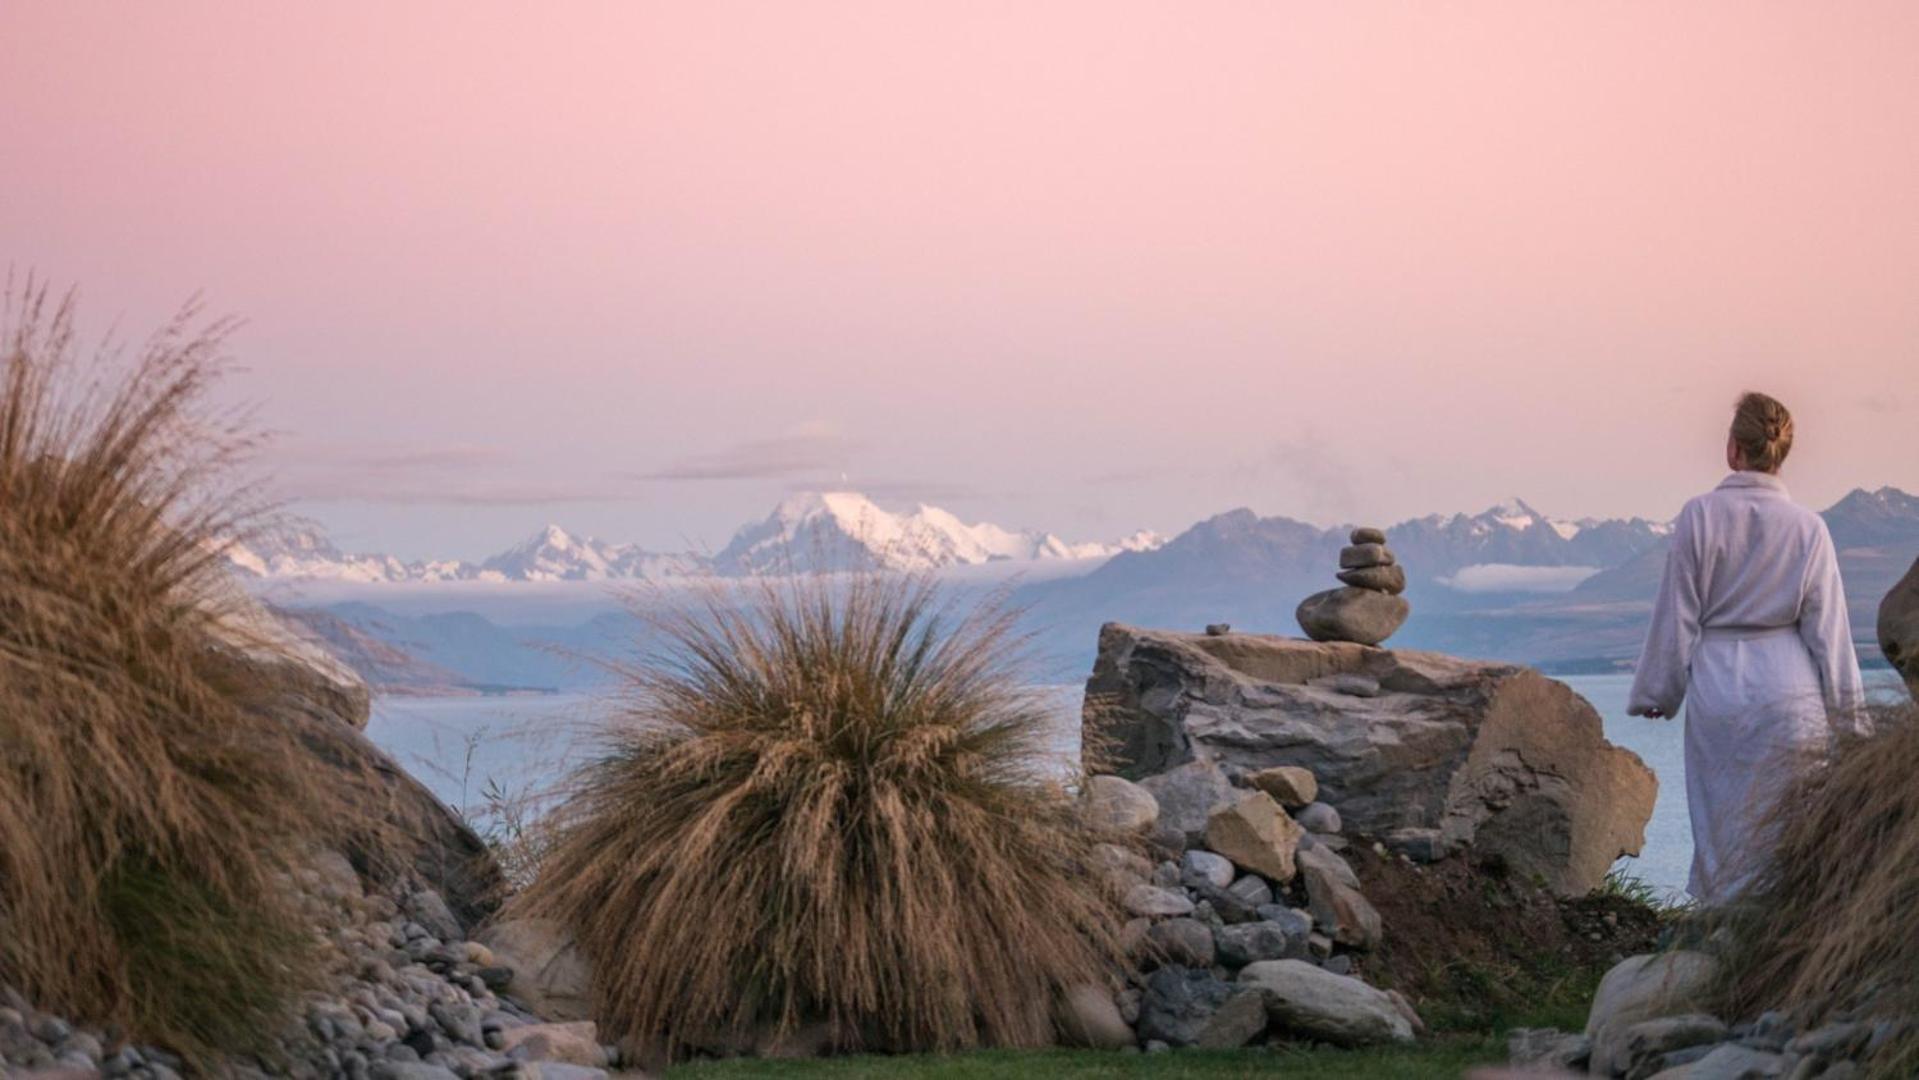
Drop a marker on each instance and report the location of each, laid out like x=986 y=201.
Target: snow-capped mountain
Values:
x=834 y=530
x=553 y=554
x=847 y=531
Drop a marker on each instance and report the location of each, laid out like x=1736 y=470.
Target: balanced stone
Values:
x=1350 y=614
x=1366 y=535
x=1360 y=556
x=1390 y=578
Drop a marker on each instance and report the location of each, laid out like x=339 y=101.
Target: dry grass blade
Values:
x=151 y=809
x=824 y=805
x=1831 y=926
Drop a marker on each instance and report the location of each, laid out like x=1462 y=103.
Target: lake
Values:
x=516 y=745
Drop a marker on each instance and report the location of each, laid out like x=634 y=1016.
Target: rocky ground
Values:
x=411 y=998
x=1646 y=1024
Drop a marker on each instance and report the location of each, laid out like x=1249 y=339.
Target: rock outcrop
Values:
x=1899 y=627
x=1427 y=752
x=327 y=705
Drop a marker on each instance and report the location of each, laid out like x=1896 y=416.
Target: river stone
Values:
x=575 y=1043
x=1495 y=756
x=1899 y=627
x=1213 y=868
x=1183 y=941
x=1320 y=818
x=1649 y=1041
x=1292 y=786
x=1386 y=579
x=1178 y=1003
x=1155 y=902
x=1332 y=894
x=1361 y=616
x=1088 y=1016
x=1638 y=989
x=1729 y=1061
x=1118 y=805
x=1318 y=1004
x=1188 y=795
x=1361 y=556
x=1367 y=535
x=1251 y=889
x=1249 y=943
x=1257 y=835
x=1236 y=1023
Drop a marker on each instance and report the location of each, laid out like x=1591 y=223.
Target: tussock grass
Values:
x=151 y=809
x=822 y=805
x=1830 y=926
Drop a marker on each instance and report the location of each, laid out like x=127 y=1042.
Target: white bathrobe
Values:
x=1750 y=633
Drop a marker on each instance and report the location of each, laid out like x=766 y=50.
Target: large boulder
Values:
x=550 y=974
x=1457 y=752
x=327 y=706
x=1319 y=1004
x=1639 y=989
x=1899 y=627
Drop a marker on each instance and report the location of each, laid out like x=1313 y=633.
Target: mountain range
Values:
x=1507 y=583
x=806 y=532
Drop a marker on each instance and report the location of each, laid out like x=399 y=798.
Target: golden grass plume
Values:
x=151 y=809
x=822 y=803
x=1830 y=926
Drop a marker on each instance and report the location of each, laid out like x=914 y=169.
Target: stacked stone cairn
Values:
x=1368 y=607
x=1244 y=918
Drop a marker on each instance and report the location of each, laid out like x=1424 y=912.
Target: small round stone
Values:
x=1366 y=534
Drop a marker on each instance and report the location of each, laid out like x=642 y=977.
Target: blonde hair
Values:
x=1762 y=430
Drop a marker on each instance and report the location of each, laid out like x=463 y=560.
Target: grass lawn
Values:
x=1447 y=1056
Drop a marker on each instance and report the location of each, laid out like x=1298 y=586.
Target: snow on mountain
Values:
x=553 y=554
x=842 y=530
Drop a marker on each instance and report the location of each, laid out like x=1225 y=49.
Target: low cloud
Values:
x=1506 y=577
x=811 y=449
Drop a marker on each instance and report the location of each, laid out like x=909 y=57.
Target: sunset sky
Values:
x=642 y=269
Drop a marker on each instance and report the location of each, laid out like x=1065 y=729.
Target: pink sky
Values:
x=1087 y=266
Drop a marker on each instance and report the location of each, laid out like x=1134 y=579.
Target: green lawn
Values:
x=1440 y=1058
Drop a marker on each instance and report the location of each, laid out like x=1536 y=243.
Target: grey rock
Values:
x=1638 y=989
x=1152 y=901
x=1319 y=818
x=1386 y=579
x=1089 y=1017
x=412 y=1070
x=1239 y=1021
x=1899 y=627
x=1187 y=796
x=1361 y=556
x=1496 y=757
x=1360 y=616
x=1218 y=629
x=1338 y=964
x=1208 y=866
x=1178 y=1003
x=1366 y=534
x=1649 y=1041
x=1224 y=903
x=554 y=1070
x=1249 y=943
x=1548 y=1048
x=1419 y=845
x=1252 y=890
x=1838 y=1040
x=1166 y=875
x=1332 y=894
x=1118 y=805
x=1728 y=1061
x=1305 y=1000
x=1183 y=942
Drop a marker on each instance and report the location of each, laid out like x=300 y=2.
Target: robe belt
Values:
x=1747 y=633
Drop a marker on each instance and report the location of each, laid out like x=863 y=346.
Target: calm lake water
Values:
x=462 y=746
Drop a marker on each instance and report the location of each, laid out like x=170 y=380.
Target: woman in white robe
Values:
x=1750 y=632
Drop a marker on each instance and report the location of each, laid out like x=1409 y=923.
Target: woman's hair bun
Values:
x=1762 y=430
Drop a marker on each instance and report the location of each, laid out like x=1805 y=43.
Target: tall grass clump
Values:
x=1830 y=927
x=825 y=805
x=151 y=809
